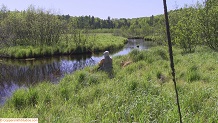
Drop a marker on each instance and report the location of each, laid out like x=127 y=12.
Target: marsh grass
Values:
x=135 y=94
x=101 y=42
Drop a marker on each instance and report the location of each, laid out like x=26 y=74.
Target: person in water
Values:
x=106 y=63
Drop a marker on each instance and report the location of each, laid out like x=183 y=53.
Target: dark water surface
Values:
x=15 y=74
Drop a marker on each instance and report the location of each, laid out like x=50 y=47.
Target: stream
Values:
x=17 y=74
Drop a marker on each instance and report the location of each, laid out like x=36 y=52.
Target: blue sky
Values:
x=99 y=8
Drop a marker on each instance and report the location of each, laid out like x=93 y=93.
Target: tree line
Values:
x=30 y=27
x=36 y=26
x=190 y=26
x=124 y=27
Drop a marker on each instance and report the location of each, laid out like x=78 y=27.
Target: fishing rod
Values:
x=171 y=57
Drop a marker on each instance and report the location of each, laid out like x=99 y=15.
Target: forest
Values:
x=191 y=25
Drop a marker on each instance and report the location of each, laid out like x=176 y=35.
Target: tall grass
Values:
x=139 y=92
x=89 y=43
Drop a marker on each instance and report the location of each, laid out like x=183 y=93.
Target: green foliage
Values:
x=185 y=29
x=24 y=98
x=140 y=92
x=208 y=20
x=88 y=43
x=32 y=27
x=195 y=25
x=193 y=74
x=190 y=26
x=19 y=101
x=149 y=56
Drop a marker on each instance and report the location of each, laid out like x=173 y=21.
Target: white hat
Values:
x=106 y=53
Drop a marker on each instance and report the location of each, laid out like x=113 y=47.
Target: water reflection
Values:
x=134 y=44
x=21 y=73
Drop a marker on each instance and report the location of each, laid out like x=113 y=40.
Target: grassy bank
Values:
x=140 y=92
x=67 y=45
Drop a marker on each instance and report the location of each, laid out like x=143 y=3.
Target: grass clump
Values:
x=24 y=98
x=139 y=92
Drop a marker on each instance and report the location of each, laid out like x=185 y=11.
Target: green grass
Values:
x=102 y=31
x=88 y=43
x=140 y=92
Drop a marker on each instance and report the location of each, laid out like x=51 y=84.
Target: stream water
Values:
x=15 y=74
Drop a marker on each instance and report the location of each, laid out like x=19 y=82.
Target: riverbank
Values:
x=140 y=92
x=67 y=46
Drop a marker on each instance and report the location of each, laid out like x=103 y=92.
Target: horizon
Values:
x=103 y=10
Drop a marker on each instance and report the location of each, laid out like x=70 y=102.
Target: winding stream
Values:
x=16 y=74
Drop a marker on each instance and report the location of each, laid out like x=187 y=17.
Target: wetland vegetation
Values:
x=142 y=91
